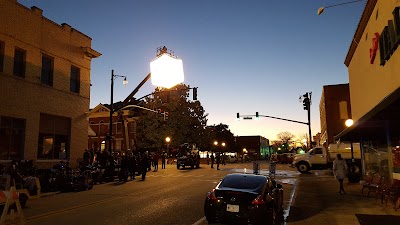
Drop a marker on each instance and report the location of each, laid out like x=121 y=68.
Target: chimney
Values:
x=37 y=11
x=66 y=26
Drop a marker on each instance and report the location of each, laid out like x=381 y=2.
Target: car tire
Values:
x=211 y=220
x=303 y=167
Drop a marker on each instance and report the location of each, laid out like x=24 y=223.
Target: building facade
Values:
x=44 y=85
x=373 y=65
x=124 y=129
x=335 y=109
x=257 y=147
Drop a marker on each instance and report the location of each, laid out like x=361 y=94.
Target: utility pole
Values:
x=306 y=105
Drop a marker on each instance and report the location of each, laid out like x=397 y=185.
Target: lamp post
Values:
x=113 y=77
x=321 y=10
x=167 y=139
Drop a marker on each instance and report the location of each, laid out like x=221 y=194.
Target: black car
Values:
x=245 y=198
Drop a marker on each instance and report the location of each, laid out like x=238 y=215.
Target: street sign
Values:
x=247 y=118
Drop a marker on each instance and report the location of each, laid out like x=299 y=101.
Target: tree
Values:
x=221 y=133
x=186 y=121
x=285 y=137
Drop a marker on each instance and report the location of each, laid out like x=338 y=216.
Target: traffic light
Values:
x=257 y=116
x=237 y=116
x=195 y=94
x=306 y=103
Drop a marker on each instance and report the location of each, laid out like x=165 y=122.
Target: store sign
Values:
x=389 y=39
x=374 y=49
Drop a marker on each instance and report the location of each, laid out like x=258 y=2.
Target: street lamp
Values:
x=125 y=82
x=321 y=10
x=167 y=139
x=349 y=122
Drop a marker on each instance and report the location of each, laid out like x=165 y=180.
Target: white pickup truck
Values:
x=320 y=158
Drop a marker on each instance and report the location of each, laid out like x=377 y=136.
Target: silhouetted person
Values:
x=132 y=166
x=218 y=159
x=163 y=158
x=340 y=171
x=212 y=160
x=144 y=165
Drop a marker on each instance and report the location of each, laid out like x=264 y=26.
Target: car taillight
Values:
x=211 y=195
x=258 y=201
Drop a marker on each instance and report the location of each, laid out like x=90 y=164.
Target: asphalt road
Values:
x=168 y=196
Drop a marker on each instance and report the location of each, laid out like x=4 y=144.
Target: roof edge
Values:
x=369 y=8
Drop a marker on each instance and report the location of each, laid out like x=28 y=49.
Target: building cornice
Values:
x=369 y=8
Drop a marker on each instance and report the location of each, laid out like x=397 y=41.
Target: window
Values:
x=74 y=85
x=132 y=126
x=12 y=138
x=102 y=129
x=47 y=70
x=318 y=151
x=119 y=128
x=54 y=137
x=19 y=62
x=1 y=56
x=343 y=110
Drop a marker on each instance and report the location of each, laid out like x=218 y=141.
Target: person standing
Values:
x=163 y=159
x=218 y=159
x=86 y=157
x=132 y=167
x=212 y=160
x=144 y=164
x=340 y=171
x=156 y=156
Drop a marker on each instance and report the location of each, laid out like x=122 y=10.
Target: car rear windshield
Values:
x=253 y=183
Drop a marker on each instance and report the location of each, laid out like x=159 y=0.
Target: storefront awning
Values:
x=383 y=118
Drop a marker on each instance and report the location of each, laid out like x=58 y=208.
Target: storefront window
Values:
x=12 y=138
x=54 y=137
x=376 y=159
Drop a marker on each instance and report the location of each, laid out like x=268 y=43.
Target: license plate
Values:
x=232 y=208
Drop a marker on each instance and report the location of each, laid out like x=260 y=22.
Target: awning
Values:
x=91 y=132
x=383 y=118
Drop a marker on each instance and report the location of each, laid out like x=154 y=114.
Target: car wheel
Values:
x=303 y=167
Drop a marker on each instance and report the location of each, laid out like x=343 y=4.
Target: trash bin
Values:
x=354 y=177
x=256 y=168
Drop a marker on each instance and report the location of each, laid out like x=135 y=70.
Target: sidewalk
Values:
x=317 y=202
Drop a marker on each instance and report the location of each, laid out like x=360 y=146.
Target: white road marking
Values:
x=199 y=221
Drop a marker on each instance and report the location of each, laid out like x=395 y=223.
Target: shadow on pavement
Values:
x=367 y=219
x=311 y=199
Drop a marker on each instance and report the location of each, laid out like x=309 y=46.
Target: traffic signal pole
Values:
x=306 y=103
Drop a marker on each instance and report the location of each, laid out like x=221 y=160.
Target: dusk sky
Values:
x=243 y=55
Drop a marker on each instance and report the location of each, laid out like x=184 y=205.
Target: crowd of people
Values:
x=125 y=164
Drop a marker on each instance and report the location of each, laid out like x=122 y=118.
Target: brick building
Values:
x=124 y=129
x=255 y=146
x=44 y=86
x=335 y=109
